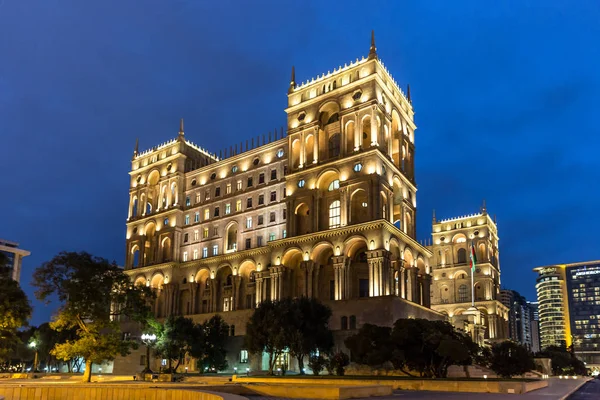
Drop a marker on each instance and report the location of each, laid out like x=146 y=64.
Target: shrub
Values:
x=338 y=361
x=317 y=363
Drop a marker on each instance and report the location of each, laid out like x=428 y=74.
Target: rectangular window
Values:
x=261 y=178
x=207 y=195
x=206 y=214
x=228 y=188
x=185 y=238
x=197 y=216
x=273 y=174
x=185 y=256
x=205 y=233
x=259 y=241
x=272 y=217
x=239 y=185
x=248 y=243
x=284 y=234
x=244 y=357
x=217 y=192
x=249 y=202
x=271 y=236
x=187 y=219
x=188 y=202
x=249 y=182
x=195 y=254
x=260 y=220
x=215 y=231
x=249 y=222
x=284 y=193
x=227 y=209
x=197 y=197
x=238 y=205
x=273 y=196
x=216 y=211
x=284 y=216
x=196 y=236
x=215 y=250
x=261 y=199
x=205 y=252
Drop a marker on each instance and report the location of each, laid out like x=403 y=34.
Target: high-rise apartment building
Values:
x=569 y=308
x=520 y=318
x=14 y=257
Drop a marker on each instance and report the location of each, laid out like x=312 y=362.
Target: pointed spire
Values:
x=483 y=208
x=136 y=149
x=433 y=219
x=292 y=80
x=408 y=93
x=181 y=133
x=373 y=49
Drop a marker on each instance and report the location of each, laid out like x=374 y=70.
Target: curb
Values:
x=575 y=389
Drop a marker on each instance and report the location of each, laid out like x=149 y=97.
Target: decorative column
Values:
x=414 y=284
x=237 y=280
x=308 y=267
x=316 y=146
x=344 y=217
x=402 y=281
x=277 y=282
x=193 y=290
x=339 y=274
x=379 y=266
x=214 y=307
x=315 y=285
x=426 y=281
x=302 y=151
x=259 y=282
x=374 y=141
x=357 y=134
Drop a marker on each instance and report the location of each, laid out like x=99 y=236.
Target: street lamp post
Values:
x=148 y=341
x=33 y=345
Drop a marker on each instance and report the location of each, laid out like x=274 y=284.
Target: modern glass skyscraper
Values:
x=569 y=308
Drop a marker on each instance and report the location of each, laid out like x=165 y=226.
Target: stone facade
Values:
x=327 y=210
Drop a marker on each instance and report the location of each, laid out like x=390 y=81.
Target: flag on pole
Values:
x=473 y=257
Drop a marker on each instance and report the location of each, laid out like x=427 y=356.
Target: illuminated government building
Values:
x=326 y=210
x=569 y=308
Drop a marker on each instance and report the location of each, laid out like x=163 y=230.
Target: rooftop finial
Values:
x=408 y=93
x=292 y=80
x=373 y=49
x=181 y=133
x=483 y=208
x=433 y=219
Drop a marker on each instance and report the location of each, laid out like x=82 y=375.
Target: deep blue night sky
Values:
x=505 y=93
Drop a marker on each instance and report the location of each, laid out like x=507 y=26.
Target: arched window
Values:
x=335 y=184
x=134 y=208
x=344 y=323
x=229 y=280
x=353 y=322
x=334 y=145
x=335 y=117
x=334 y=215
x=252 y=276
x=463 y=294
x=461 y=256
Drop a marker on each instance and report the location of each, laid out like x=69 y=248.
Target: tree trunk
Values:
x=170 y=364
x=87 y=374
x=301 y=364
x=467 y=373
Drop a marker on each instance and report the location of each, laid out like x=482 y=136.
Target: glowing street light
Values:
x=148 y=340
x=33 y=345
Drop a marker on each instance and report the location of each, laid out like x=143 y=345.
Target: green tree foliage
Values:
x=510 y=359
x=427 y=347
x=300 y=325
x=15 y=310
x=371 y=345
x=563 y=361
x=266 y=331
x=210 y=349
x=338 y=361
x=174 y=339
x=93 y=294
x=46 y=338
x=308 y=329
x=317 y=364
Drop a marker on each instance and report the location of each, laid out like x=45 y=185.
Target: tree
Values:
x=317 y=363
x=15 y=310
x=266 y=331
x=338 y=361
x=46 y=338
x=371 y=345
x=308 y=329
x=429 y=347
x=210 y=349
x=563 y=361
x=510 y=358
x=174 y=338
x=94 y=295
